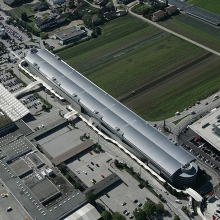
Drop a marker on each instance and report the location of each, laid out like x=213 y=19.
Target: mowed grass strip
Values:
x=178 y=93
x=210 y=5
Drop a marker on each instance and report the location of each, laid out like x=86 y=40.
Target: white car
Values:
x=127 y=213
x=78 y=171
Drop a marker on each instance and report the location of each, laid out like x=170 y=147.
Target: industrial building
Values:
x=208 y=128
x=71 y=34
x=167 y=159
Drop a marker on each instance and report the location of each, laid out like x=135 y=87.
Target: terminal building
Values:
x=170 y=161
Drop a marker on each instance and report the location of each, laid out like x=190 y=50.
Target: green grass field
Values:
x=16 y=12
x=178 y=93
x=124 y=58
x=210 y=5
x=194 y=29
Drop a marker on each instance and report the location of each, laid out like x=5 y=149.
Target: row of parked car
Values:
x=13 y=33
x=199 y=155
x=9 y=82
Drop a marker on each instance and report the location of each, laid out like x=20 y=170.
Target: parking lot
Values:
x=200 y=148
x=124 y=197
x=16 y=211
x=10 y=82
x=32 y=103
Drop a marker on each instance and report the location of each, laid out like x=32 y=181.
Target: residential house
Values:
x=49 y=21
x=11 y=2
x=122 y=1
x=121 y=13
x=158 y=15
x=95 y=19
x=39 y=6
x=150 y=2
x=109 y=15
x=103 y=3
x=171 y=9
x=54 y=2
x=82 y=3
x=110 y=5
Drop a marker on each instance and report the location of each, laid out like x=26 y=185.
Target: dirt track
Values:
x=150 y=96
x=157 y=81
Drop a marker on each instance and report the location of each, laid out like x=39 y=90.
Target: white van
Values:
x=178 y=201
x=177 y=113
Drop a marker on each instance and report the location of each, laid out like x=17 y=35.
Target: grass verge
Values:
x=177 y=121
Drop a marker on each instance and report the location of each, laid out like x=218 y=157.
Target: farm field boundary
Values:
x=195 y=30
x=212 y=5
x=165 y=77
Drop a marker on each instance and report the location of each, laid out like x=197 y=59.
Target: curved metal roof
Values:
x=136 y=131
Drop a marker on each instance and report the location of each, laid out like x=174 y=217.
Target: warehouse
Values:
x=170 y=161
x=72 y=34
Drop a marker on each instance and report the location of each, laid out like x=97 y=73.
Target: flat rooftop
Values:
x=44 y=190
x=61 y=141
x=20 y=167
x=17 y=147
x=69 y=33
x=203 y=127
x=72 y=152
x=36 y=160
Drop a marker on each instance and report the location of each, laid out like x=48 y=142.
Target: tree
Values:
x=149 y=208
x=118 y=216
x=139 y=214
x=91 y=198
x=160 y=196
x=44 y=107
x=160 y=207
x=165 y=184
x=106 y=215
x=77 y=185
x=176 y=217
x=116 y=163
x=24 y=16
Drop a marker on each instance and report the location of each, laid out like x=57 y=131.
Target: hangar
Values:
x=172 y=162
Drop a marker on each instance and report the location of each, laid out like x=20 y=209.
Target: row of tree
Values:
x=149 y=209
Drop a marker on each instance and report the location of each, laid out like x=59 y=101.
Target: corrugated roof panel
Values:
x=150 y=141
x=11 y=106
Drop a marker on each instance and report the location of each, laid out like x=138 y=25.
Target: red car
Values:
x=206 y=103
x=91 y=152
x=102 y=176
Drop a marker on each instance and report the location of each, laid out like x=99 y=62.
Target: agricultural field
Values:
x=195 y=29
x=159 y=67
x=16 y=12
x=210 y=5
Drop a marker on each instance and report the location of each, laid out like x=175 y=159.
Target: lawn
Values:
x=210 y=5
